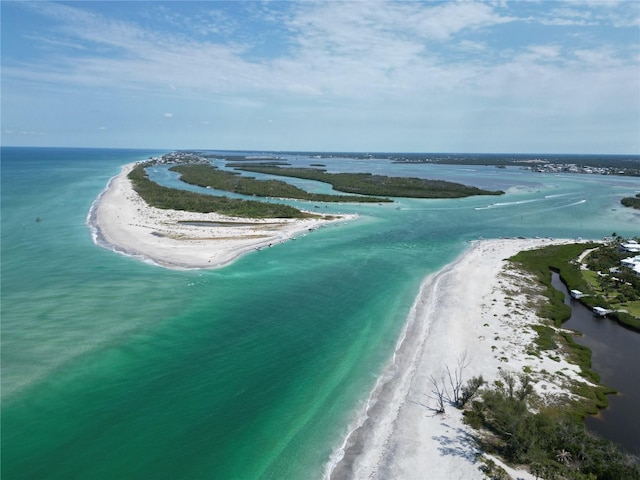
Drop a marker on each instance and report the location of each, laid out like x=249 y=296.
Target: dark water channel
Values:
x=616 y=358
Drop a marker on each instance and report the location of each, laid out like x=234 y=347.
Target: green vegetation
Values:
x=633 y=202
x=210 y=176
x=618 y=292
x=368 y=184
x=551 y=439
x=170 y=198
x=612 y=286
x=558 y=258
x=523 y=430
x=561 y=258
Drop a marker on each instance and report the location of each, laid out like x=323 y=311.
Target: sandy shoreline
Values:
x=473 y=307
x=122 y=221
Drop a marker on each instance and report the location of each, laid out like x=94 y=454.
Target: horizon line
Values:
x=360 y=152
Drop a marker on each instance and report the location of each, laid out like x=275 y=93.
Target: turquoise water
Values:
x=115 y=368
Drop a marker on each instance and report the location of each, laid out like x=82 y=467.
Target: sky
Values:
x=363 y=76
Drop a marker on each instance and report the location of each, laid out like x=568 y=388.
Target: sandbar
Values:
x=123 y=222
x=474 y=308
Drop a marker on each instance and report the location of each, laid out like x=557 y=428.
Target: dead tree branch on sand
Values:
x=455 y=378
x=450 y=387
x=438 y=393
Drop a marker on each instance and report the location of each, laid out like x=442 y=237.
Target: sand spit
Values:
x=473 y=307
x=122 y=221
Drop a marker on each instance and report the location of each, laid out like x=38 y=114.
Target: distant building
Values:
x=630 y=246
x=633 y=263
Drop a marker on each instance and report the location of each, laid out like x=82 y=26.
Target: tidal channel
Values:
x=616 y=358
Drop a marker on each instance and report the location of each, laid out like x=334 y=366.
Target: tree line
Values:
x=515 y=424
x=633 y=202
x=523 y=430
x=171 y=198
x=369 y=184
x=209 y=176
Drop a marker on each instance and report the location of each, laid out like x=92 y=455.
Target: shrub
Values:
x=170 y=198
x=553 y=443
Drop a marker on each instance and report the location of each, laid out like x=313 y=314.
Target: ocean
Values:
x=113 y=367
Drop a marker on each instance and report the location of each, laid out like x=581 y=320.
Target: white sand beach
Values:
x=472 y=307
x=123 y=222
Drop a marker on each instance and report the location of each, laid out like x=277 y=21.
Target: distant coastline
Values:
x=596 y=164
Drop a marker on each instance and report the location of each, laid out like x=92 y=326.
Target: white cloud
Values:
x=618 y=13
x=27 y=133
x=356 y=50
x=356 y=63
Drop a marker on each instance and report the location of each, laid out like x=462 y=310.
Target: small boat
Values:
x=601 y=312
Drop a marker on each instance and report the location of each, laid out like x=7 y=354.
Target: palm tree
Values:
x=564 y=457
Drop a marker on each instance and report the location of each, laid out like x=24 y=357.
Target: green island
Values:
x=175 y=199
x=633 y=202
x=194 y=169
x=513 y=422
x=368 y=184
x=205 y=175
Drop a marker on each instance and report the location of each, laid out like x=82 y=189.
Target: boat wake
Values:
x=533 y=200
x=508 y=204
x=557 y=195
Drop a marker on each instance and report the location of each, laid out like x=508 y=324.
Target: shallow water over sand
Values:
x=113 y=368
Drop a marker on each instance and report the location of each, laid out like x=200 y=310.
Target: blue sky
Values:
x=495 y=76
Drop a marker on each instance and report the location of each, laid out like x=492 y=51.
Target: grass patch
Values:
x=558 y=258
x=545 y=340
